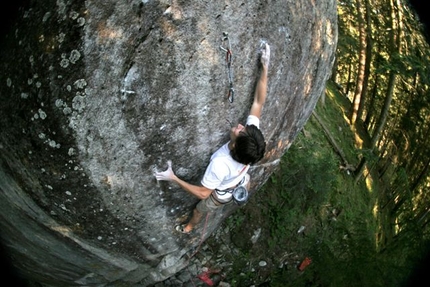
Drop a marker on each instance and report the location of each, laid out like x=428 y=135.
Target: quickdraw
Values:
x=228 y=59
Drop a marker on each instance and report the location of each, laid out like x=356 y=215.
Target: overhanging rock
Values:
x=95 y=95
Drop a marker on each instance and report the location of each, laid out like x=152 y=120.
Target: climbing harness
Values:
x=240 y=194
x=228 y=59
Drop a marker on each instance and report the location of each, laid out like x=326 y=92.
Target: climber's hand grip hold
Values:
x=167 y=174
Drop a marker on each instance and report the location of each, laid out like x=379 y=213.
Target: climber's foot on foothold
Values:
x=181 y=228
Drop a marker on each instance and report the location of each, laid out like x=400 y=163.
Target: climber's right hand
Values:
x=168 y=174
x=265 y=55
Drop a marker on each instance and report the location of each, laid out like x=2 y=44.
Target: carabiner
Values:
x=231 y=95
x=228 y=57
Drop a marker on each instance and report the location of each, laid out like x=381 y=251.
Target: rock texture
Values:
x=95 y=95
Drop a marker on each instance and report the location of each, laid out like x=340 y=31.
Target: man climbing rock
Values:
x=228 y=166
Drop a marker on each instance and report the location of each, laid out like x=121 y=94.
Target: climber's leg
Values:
x=195 y=219
x=204 y=206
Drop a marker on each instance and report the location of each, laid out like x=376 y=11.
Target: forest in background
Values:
x=382 y=67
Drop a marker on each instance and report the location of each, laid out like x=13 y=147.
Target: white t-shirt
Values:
x=223 y=171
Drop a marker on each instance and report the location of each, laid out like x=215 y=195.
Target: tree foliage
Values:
x=396 y=112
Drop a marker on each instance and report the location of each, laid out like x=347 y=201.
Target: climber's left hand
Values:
x=168 y=174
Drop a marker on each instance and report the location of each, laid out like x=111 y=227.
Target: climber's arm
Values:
x=261 y=87
x=200 y=192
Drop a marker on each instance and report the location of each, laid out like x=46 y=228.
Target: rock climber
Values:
x=229 y=165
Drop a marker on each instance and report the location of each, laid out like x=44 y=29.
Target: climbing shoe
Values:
x=181 y=228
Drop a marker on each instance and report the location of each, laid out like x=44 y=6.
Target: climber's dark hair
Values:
x=249 y=146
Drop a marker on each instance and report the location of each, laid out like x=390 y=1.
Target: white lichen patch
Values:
x=67 y=111
x=59 y=103
x=62 y=9
x=81 y=21
x=71 y=151
x=60 y=37
x=46 y=16
x=80 y=84
x=63 y=207
x=64 y=63
x=74 y=56
x=42 y=114
x=53 y=144
x=73 y=121
x=78 y=103
x=74 y=15
x=8 y=82
x=24 y=96
x=48 y=141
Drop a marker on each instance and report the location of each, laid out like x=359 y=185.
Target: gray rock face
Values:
x=95 y=95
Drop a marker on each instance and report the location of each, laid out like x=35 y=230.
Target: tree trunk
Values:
x=395 y=49
x=369 y=46
x=370 y=111
x=334 y=73
x=361 y=63
x=348 y=79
